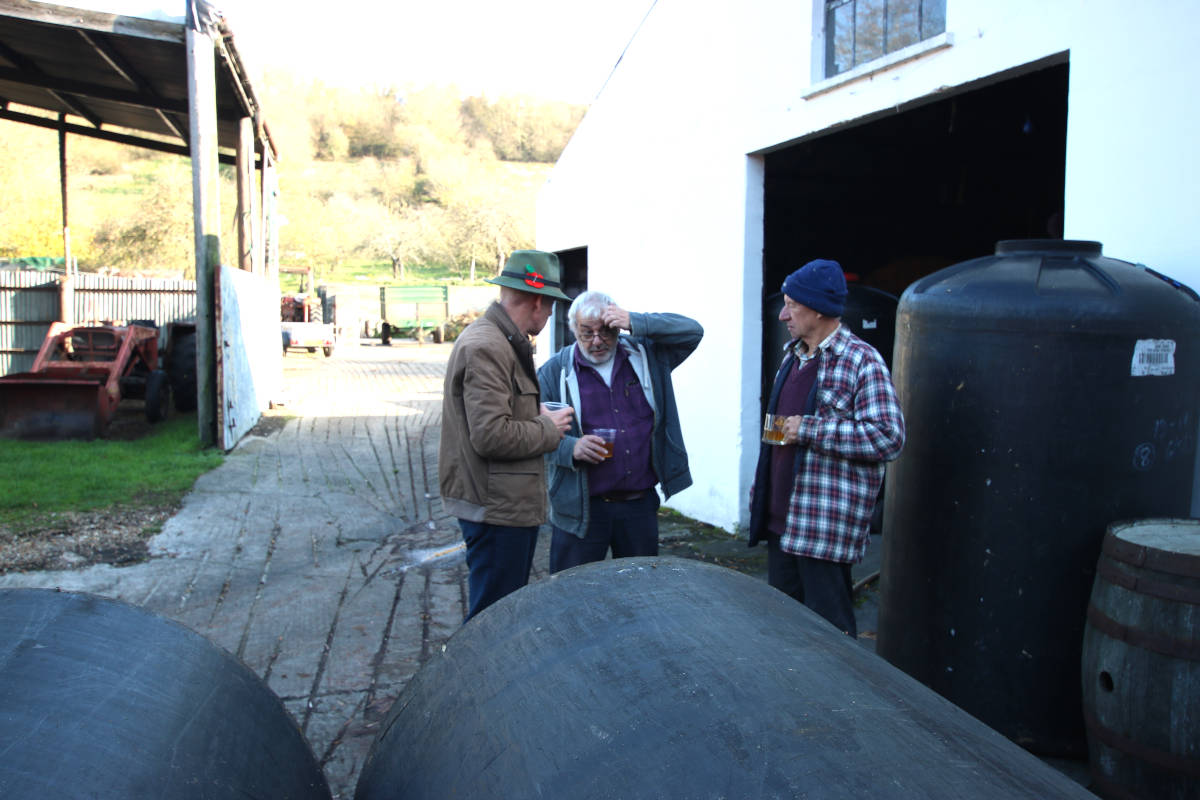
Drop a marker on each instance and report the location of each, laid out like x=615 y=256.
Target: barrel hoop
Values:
x=1187 y=649
x=1171 y=762
x=1143 y=585
x=1151 y=557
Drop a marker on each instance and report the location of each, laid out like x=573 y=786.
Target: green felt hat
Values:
x=532 y=271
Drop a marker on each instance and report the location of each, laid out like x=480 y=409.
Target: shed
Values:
x=177 y=88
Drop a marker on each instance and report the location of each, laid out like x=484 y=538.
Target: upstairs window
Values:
x=858 y=31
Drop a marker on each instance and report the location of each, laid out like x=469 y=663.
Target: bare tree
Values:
x=405 y=237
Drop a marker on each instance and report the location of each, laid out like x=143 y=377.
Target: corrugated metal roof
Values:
x=108 y=71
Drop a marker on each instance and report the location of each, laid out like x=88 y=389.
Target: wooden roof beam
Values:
x=28 y=72
x=240 y=82
x=93 y=20
x=84 y=89
x=108 y=136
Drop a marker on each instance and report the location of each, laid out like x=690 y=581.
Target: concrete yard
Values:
x=319 y=553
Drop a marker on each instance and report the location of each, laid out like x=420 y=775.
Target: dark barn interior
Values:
x=574 y=265
x=904 y=194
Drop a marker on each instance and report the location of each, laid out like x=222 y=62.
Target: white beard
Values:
x=612 y=351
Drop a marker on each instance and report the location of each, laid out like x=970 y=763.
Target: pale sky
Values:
x=556 y=49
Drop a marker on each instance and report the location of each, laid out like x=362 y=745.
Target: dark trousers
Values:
x=824 y=586
x=499 y=558
x=629 y=527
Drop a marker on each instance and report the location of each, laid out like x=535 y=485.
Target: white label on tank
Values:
x=1153 y=357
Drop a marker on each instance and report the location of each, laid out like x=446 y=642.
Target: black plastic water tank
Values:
x=871 y=314
x=664 y=677
x=102 y=699
x=1048 y=391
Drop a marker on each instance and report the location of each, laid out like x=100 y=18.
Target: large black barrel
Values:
x=1048 y=391
x=664 y=677
x=102 y=699
x=1141 y=662
x=871 y=314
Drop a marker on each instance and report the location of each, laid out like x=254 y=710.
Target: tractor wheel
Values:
x=287 y=342
x=158 y=396
x=438 y=335
x=328 y=351
x=181 y=366
x=312 y=349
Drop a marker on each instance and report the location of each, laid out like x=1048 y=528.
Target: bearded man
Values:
x=604 y=494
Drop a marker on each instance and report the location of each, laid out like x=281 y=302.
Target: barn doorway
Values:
x=574 y=265
x=906 y=193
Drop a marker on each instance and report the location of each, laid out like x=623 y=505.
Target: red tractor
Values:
x=79 y=377
x=300 y=323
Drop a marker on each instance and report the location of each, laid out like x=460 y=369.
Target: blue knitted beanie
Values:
x=820 y=285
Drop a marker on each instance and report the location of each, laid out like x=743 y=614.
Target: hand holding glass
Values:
x=773 y=428
x=609 y=435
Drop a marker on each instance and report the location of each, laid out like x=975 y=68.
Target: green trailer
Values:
x=416 y=307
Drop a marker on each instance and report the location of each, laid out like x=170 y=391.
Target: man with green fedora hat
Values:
x=495 y=430
x=533 y=271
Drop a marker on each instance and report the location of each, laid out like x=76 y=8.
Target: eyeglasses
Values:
x=604 y=334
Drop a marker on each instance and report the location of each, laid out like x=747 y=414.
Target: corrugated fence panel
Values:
x=30 y=301
x=99 y=298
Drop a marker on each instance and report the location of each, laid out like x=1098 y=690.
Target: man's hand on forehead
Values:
x=616 y=317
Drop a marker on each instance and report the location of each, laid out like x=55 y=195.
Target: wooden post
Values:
x=245 y=194
x=202 y=128
x=255 y=211
x=66 y=303
x=66 y=298
x=269 y=205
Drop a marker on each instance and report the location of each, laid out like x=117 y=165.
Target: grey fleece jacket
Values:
x=656 y=344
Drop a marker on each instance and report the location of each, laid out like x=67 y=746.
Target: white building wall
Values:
x=1133 y=132
x=661 y=185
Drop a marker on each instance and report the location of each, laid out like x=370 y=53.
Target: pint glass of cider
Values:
x=773 y=429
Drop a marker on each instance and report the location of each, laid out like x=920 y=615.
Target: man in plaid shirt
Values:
x=814 y=494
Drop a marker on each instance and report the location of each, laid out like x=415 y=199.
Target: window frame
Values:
x=826 y=11
x=940 y=42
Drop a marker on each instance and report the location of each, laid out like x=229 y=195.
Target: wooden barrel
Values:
x=1141 y=662
x=670 y=678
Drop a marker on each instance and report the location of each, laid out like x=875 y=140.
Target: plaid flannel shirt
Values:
x=856 y=427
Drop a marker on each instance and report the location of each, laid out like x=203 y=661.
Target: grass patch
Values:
x=44 y=478
x=379 y=273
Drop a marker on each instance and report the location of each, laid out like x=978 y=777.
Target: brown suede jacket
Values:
x=490 y=466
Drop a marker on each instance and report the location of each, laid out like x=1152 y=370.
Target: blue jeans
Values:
x=499 y=558
x=629 y=527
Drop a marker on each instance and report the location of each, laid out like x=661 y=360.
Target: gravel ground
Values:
x=75 y=540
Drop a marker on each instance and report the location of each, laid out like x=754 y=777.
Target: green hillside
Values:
x=381 y=185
